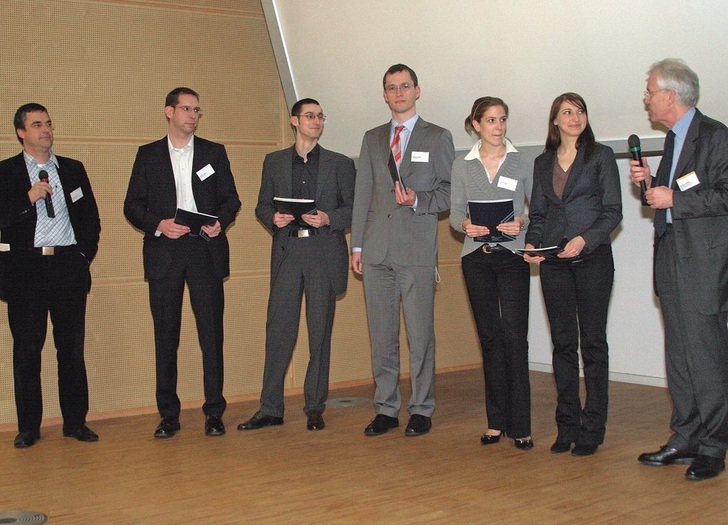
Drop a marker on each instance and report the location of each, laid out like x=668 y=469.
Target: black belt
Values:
x=303 y=232
x=48 y=250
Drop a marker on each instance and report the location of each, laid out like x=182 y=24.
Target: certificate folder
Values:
x=194 y=220
x=295 y=207
x=491 y=214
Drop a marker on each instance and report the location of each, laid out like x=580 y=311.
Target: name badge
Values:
x=507 y=183
x=688 y=181
x=420 y=156
x=76 y=194
x=205 y=172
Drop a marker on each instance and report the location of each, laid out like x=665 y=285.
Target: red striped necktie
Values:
x=396 y=146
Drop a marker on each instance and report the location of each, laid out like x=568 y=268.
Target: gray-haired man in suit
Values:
x=690 y=198
x=403 y=181
x=309 y=256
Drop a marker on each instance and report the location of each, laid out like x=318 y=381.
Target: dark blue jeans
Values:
x=498 y=287
x=577 y=300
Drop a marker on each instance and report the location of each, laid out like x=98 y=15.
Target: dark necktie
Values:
x=663 y=179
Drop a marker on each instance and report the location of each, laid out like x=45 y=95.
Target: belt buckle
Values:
x=303 y=233
x=48 y=250
x=487 y=249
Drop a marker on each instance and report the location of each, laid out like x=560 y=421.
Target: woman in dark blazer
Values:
x=576 y=203
x=497 y=279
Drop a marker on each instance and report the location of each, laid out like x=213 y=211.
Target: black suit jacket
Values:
x=591 y=205
x=18 y=216
x=700 y=215
x=152 y=197
x=334 y=195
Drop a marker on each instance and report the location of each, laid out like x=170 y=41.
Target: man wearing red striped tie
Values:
x=402 y=182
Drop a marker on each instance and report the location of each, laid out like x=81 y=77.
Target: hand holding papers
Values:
x=295 y=207
x=195 y=221
x=490 y=214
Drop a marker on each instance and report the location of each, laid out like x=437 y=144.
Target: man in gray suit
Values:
x=403 y=181
x=309 y=256
x=690 y=196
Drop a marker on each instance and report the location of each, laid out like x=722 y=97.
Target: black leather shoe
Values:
x=666 y=456
x=214 y=426
x=524 y=443
x=25 y=440
x=705 y=467
x=487 y=439
x=259 y=421
x=584 y=450
x=380 y=425
x=418 y=425
x=559 y=447
x=167 y=428
x=315 y=421
x=82 y=433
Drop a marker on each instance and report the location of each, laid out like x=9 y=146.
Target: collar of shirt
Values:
x=474 y=153
x=33 y=165
x=680 y=129
x=404 y=135
x=313 y=155
x=190 y=147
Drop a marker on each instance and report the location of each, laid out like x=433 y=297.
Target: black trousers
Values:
x=36 y=285
x=577 y=301
x=191 y=264
x=498 y=288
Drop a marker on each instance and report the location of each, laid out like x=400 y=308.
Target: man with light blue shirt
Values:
x=690 y=197
x=402 y=182
x=50 y=234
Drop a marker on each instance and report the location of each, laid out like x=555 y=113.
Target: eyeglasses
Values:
x=649 y=94
x=402 y=87
x=312 y=116
x=188 y=109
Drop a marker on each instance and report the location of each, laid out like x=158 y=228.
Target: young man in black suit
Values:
x=50 y=234
x=191 y=173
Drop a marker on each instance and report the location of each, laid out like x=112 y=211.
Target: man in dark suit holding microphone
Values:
x=186 y=172
x=690 y=198
x=309 y=256
x=50 y=234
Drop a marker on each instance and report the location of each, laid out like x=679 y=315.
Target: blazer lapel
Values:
x=324 y=173
x=576 y=168
x=688 y=147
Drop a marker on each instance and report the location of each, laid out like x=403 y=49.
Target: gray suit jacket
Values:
x=381 y=227
x=700 y=215
x=334 y=195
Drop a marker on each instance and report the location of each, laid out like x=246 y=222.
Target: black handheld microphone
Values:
x=636 y=150
x=43 y=176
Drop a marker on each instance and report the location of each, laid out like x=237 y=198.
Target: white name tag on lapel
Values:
x=507 y=183
x=76 y=194
x=205 y=172
x=688 y=181
x=420 y=156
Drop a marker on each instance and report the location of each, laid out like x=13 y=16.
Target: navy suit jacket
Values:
x=152 y=197
x=18 y=216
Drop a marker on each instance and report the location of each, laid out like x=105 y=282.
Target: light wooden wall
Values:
x=103 y=68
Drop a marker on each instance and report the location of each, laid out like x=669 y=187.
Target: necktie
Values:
x=663 y=179
x=396 y=146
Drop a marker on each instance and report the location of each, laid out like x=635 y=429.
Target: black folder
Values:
x=194 y=220
x=491 y=214
x=295 y=207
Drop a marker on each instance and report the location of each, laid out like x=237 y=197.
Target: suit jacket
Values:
x=18 y=216
x=381 y=227
x=152 y=197
x=591 y=205
x=334 y=195
x=700 y=215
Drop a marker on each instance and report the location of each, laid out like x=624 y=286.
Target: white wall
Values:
x=527 y=52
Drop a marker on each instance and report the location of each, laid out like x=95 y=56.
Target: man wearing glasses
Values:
x=309 y=256
x=182 y=171
x=403 y=181
x=50 y=234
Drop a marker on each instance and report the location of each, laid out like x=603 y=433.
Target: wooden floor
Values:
x=289 y=475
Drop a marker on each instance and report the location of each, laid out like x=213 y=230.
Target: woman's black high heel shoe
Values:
x=487 y=439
